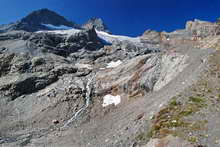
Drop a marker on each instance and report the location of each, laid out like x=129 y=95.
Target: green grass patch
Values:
x=173 y=116
x=196 y=99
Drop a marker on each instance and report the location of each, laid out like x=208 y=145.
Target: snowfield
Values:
x=115 y=38
x=114 y=64
x=88 y=66
x=110 y=99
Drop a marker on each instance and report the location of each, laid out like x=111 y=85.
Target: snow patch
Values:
x=110 y=99
x=61 y=27
x=115 y=38
x=88 y=66
x=114 y=64
x=62 y=32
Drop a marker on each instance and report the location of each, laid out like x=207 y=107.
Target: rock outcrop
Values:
x=97 y=23
x=65 y=45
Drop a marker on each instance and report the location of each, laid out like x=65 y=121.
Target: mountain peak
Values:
x=97 y=23
x=45 y=19
x=35 y=20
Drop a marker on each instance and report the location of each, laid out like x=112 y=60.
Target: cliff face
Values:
x=202 y=28
x=71 y=88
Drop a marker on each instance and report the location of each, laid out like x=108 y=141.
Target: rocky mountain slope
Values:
x=81 y=86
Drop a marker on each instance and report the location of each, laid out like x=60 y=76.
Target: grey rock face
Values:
x=5 y=63
x=97 y=23
x=150 y=36
x=62 y=45
x=29 y=74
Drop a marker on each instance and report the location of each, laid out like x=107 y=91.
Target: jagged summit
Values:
x=97 y=23
x=35 y=20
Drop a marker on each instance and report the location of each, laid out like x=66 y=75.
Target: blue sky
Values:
x=127 y=17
